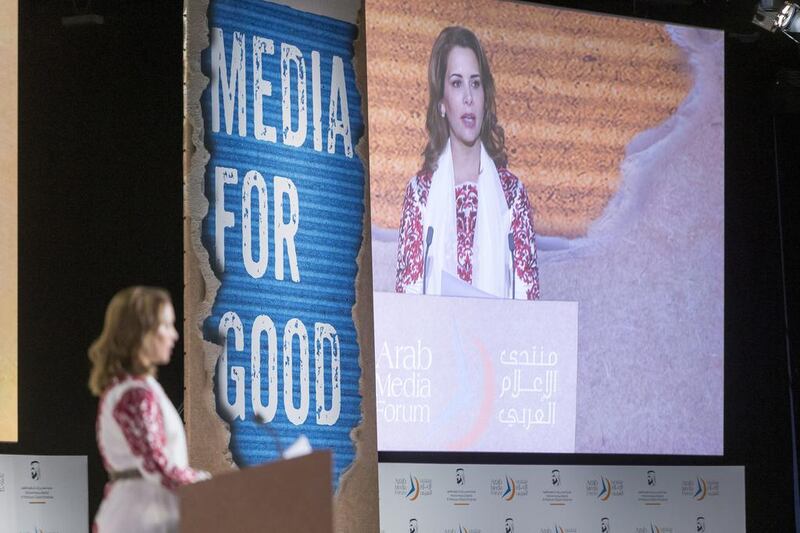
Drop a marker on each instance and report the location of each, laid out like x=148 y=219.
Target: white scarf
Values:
x=491 y=258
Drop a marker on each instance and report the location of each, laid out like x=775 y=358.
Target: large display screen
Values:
x=8 y=224
x=547 y=203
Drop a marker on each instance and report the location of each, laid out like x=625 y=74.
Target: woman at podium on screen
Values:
x=467 y=224
x=139 y=433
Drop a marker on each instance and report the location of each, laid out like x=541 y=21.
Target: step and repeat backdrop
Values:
x=514 y=244
x=44 y=493
x=421 y=498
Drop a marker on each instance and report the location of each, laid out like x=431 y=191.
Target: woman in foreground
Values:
x=139 y=433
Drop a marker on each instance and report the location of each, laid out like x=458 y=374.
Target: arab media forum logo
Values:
x=511 y=489
x=507 y=488
x=413 y=492
x=605 y=489
x=701 y=490
x=558 y=529
x=462 y=529
x=653 y=529
x=412 y=487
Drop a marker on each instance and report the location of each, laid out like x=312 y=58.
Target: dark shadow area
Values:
x=100 y=202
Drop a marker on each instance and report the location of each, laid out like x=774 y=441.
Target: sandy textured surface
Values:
x=648 y=277
x=572 y=91
x=8 y=223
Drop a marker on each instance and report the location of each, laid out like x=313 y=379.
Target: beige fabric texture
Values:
x=569 y=103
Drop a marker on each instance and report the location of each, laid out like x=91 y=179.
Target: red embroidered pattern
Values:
x=411 y=242
x=410 y=250
x=525 y=265
x=466 y=217
x=139 y=416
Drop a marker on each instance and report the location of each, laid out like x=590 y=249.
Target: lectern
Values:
x=287 y=496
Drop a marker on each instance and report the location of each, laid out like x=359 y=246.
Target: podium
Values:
x=288 y=496
x=475 y=374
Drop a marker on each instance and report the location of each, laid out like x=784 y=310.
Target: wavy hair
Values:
x=131 y=314
x=492 y=134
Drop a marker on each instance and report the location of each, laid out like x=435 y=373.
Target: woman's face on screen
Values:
x=463 y=97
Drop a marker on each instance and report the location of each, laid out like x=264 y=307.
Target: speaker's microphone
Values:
x=272 y=434
x=428 y=241
x=511 y=248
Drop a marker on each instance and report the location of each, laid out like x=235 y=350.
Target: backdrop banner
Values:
x=275 y=206
x=44 y=493
x=422 y=498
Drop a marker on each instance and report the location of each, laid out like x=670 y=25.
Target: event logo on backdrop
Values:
x=285 y=189
x=699 y=488
x=43 y=493
x=604 y=488
x=507 y=499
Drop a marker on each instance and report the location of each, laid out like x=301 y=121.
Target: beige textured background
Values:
x=8 y=222
x=569 y=103
x=356 y=501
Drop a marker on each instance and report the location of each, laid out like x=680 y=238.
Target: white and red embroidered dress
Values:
x=411 y=242
x=138 y=429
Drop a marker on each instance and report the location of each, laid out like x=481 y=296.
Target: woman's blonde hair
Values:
x=131 y=314
x=492 y=134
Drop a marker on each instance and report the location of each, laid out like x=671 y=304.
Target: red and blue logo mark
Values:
x=605 y=489
x=701 y=489
x=413 y=492
x=511 y=489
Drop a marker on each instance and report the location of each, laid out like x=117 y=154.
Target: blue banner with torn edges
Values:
x=282 y=116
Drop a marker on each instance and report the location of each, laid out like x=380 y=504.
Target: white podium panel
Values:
x=475 y=374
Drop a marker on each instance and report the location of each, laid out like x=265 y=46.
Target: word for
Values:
x=284 y=231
